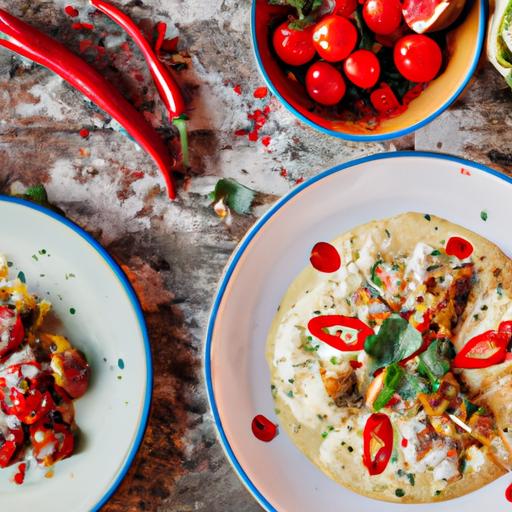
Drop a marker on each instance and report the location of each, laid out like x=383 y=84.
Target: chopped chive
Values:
x=484 y=215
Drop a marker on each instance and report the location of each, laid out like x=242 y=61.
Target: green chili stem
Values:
x=181 y=125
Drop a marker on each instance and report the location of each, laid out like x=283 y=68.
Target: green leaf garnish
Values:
x=237 y=196
x=435 y=362
x=396 y=340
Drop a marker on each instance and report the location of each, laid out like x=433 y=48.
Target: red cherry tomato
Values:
x=345 y=7
x=325 y=257
x=384 y=100
x=295 y=47
x=362 y=68
x=382 y=16
x=418 y=58
x=325 y=84
x=334 y=38
x=11 y=330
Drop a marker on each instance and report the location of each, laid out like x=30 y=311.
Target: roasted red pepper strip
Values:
x=26 y=40
x=482 y=351
x=318 y=324
x=167 y=87
x=377 y=443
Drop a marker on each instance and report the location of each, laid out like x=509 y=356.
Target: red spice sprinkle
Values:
x=508 y=493
x=465 y=172
x=71 y=11
x=266 y=110
x=241 y=133
x=85 y=45
x=237 y=89
x=253 y=135
x=260 y=92
x=404 y=442
x=355 y=364
x=283 y=172
x=19 y=477
x=87 y=26
x=266 y=140
x=299 y=181
x=459 y=247
x=263 y=429
x=84 y=133
x=76 y=26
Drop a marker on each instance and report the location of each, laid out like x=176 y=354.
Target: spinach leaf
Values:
x=396 y=340
x=435 y=361
x=410 y=386
x=392 y=378
x=366 y=42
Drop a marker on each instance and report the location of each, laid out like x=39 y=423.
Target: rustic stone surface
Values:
x=175 y=252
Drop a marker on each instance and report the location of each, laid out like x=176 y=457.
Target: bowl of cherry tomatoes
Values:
x=367 y=70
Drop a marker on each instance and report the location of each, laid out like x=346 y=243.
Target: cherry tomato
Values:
x=295 y=47
x=382 y=16
x=384 y=100
x=345 y=7
x=11 y=330
x=71 y=372
x=418 y=58
x=334 y=38
x=325 y=84
x=362 y=68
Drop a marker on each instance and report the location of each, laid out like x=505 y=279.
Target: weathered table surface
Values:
x=174 y=252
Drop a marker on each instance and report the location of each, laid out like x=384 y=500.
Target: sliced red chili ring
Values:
x=458 y=247
x=377 y=443
x=482 y=351
x=317 y=327
x=263 y=429
x=325 y=258
x=508 y=493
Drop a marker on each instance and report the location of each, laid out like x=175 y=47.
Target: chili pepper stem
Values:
x=181 y=125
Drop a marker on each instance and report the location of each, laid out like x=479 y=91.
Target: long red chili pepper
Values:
x=26 y=40
x=377 y=443
x=167 y=87
x=318 y=324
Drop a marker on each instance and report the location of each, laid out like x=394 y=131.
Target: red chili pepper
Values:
x=167 y=87
x=51 y=444
x=318 y=324
x=355 y=364
x=377 y=443
x=15 y=332
x=31 y=407
x=482 y=351
x=506 y=328
x=6 y=452
x=384 y=100
x=33 y=44
x=404 y=442
x=263 y=429
x=325 y=258
x=508 y=493
x=459 y=247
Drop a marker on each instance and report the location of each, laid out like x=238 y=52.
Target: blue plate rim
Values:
x=235 y=258
x=134 y=301
x=382 y=137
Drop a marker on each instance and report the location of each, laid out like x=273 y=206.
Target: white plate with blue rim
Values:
x=100 y=314
x=260 y=271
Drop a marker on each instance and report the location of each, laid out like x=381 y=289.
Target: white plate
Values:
x=108 y=326
x=271 y=255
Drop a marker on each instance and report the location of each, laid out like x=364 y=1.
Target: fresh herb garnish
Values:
x=484 y=215
x=392 y=379
x=237 y=196
x=396 y=340
x=373 y=272
x=400 y=493
x=435 y=252
x=435 y=362
x=427 y=217
x=410 y=386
